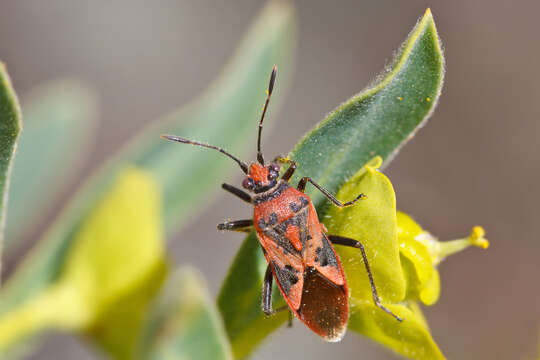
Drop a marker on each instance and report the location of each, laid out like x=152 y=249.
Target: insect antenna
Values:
x=260 y=157
x=179 y=139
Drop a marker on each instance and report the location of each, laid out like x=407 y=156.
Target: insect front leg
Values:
x=235 y=191
x=237 y=225
x=302 y=186
x=290 y=171
x=340 y=240
x=267 y=296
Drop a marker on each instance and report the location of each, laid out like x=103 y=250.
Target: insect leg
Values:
x=290 y=171
x=267 y=294
x=290 y=319
x=235 y=191
x=238 y=225
x=340 y=240
x=302 y=186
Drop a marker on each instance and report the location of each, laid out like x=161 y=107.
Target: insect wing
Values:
x=319 y=301
x=288 y=271
x=324 y=307
x=320 y=253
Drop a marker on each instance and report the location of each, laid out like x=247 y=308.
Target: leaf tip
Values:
x=375 y=163
x=427 y=21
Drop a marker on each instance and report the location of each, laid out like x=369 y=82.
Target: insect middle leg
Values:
x=302 y=186
x=237 y=225
x=267 y=297
x=340 y=240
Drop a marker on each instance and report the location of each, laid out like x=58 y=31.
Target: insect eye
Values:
x=248 y=183
x=272 y=175
x=274 y=167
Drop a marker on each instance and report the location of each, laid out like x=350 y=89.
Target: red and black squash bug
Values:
x=299 y=253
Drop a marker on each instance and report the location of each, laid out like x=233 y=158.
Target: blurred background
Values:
x=475 y=163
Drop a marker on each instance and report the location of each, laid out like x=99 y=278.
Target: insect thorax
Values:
x=271 y=193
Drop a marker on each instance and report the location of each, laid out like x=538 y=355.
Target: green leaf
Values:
x=372 y=222
x=224 y=115
x=119 y=243
x=411 y=338
x=184 y=323
x=58 y=129
x=10 y=126
x=380 y=119
x=375 y=122
x=118 y=250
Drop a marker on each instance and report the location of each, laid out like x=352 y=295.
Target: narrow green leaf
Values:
x=375 y=122
x=379 y=120
x=10 y=126
x=184 y=323
x=58 y=129
x=224 y=115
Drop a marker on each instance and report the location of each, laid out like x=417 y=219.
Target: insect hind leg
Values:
x=302 y=186
x=340 y=240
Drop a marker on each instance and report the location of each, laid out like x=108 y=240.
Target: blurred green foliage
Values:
x=117 y=248
x=224 y=113
x=184 y=322
x=59 y=127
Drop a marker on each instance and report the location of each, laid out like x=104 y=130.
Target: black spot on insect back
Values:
x=325 y=254
x=286 y=276
x=273 y=219
x=295 y=207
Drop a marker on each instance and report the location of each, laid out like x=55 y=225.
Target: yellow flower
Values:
x=421 y=252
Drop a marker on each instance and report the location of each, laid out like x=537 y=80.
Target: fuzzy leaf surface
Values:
x=10 y=127
x=119 y=249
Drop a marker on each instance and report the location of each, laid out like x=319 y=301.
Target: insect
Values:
x=298 y=251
